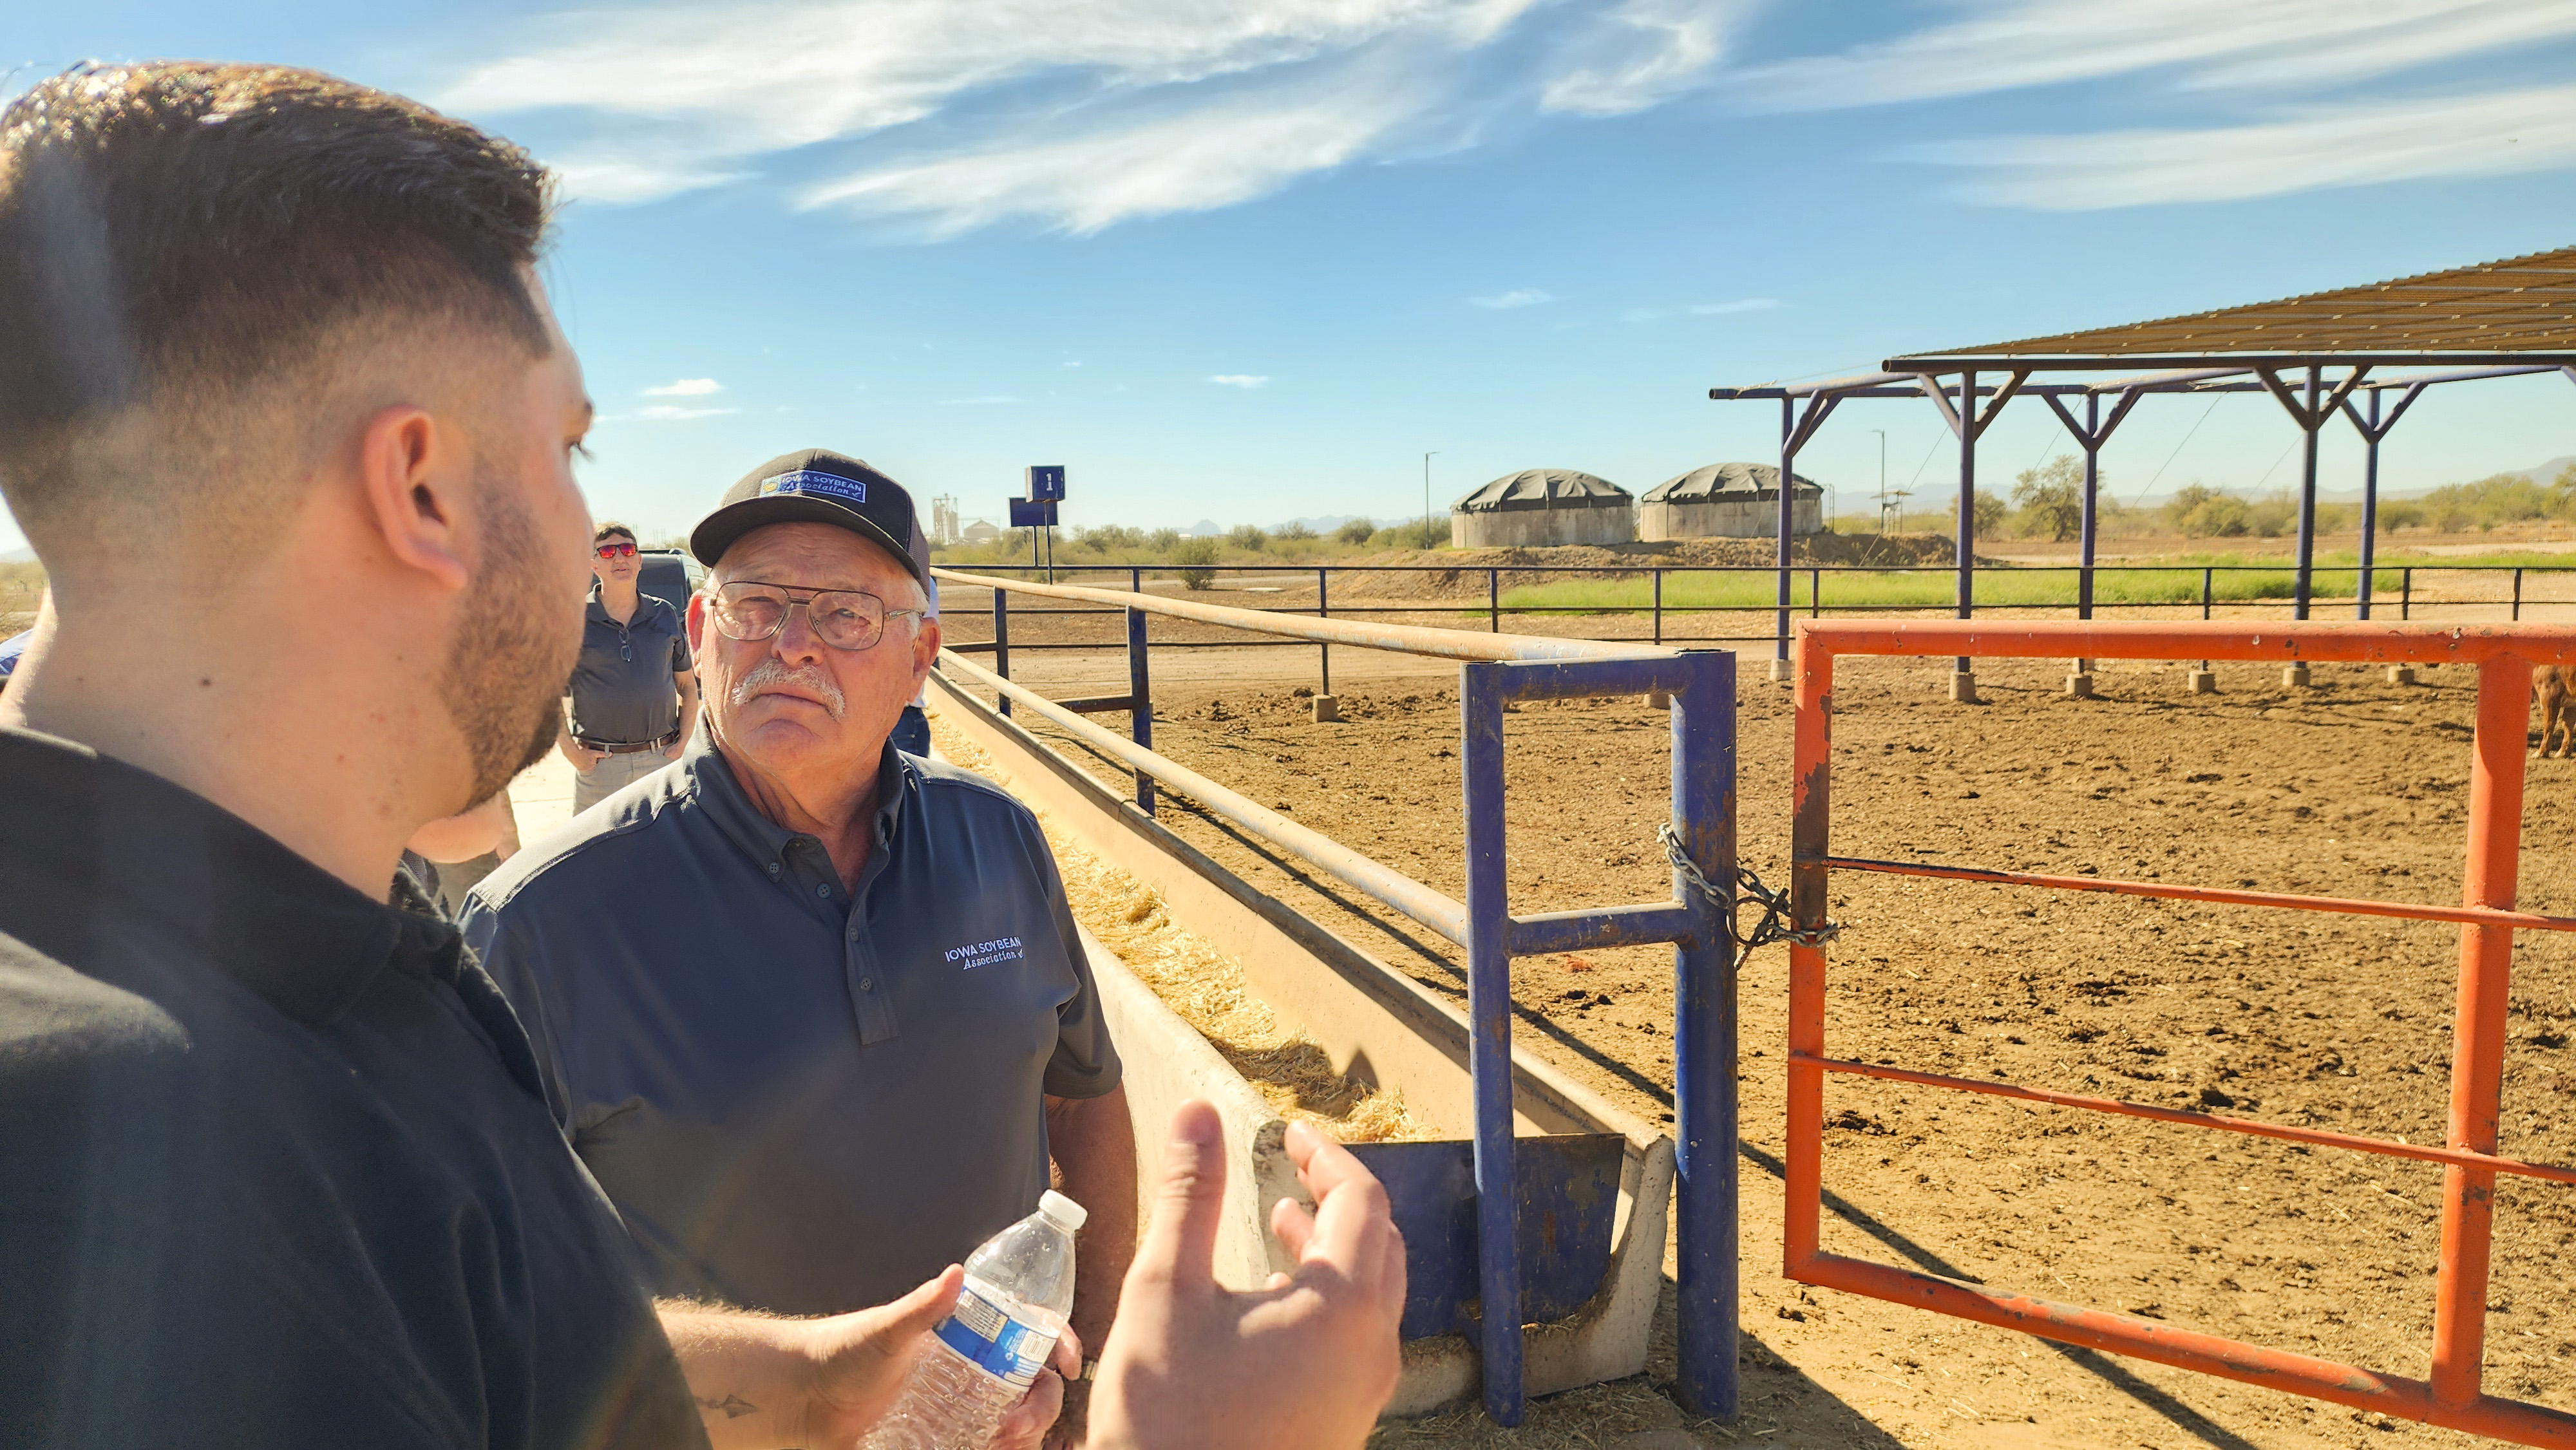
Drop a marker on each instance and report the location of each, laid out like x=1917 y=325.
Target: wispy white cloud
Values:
x=1246 y=381
x=1648 y=52
x=1700 y=309
x=981 y=400
x=1517 y=297
x=1077 y=115
x=673 y=413
x=2304 y=149
x=686 y=388
x=2213 y=43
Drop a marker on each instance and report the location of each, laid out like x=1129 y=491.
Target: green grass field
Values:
x=2236 y=579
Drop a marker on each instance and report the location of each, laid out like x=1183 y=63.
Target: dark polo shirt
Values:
x=799 y=1104
x=621 y=689
x=275 y=1167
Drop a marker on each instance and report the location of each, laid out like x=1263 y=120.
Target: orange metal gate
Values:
x=2504 y=659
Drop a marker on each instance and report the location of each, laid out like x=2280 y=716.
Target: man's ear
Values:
x=925 y=653
x=414 y=476
x=696 y=619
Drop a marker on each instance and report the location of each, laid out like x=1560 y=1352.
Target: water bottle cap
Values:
x=1063 y=1210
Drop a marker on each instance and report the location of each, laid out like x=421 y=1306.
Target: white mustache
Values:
x=811 y=677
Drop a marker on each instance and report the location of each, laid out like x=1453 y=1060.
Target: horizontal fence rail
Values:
x=2208 y=589
x=1496 y=668
x=2504 y=658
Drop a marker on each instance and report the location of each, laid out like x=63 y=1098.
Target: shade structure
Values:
x=1537 y=507
x=2513 y=310
x=1728 y=501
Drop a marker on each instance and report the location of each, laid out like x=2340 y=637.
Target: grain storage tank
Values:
x=1728 y=501
x=1540 y=506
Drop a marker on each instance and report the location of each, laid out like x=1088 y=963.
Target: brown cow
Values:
x=2553 y=683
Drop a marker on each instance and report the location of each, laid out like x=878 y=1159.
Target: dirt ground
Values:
x=2352 y=787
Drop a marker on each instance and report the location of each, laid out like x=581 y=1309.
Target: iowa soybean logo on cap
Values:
x=809 y=480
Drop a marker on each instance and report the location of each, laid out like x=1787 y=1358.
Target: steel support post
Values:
x=1705 y=1125
x=2369 y=507
x=1002 y=639
x=1967 y=426
x=2308 y=425
x=1323 y=610
x=1788 y=461
x=2477 y=1056
x=1482 y=687
x=1140 y=709
x=2092 y=488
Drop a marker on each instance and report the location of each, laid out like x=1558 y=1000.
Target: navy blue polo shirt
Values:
x=799 y=1102
x=275 y=1161
x=622 y=691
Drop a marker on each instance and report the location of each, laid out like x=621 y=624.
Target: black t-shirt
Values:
x=275 y=1165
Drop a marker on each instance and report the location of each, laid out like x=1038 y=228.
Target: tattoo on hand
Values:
x=734 y=1406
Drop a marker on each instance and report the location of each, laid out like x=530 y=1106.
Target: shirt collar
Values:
x=720 y=795
x=91 y=847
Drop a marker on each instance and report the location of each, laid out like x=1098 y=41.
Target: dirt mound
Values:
x=1461 y=572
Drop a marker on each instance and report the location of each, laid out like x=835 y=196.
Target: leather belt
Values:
x=627 y=747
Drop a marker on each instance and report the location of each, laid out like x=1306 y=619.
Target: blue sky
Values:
x=1249 y=259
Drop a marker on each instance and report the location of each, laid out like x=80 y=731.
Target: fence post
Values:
x=1489 y=1011
x=2405 y=594
x=2479 y=1026
x=2517 y=595
x=1659 y=606
x=1002 y=639
x=2206 y=577
x=1704 y=1045
x=1324 y=610
x=1815 y=592
x=1140 y=703
x=1494 y=600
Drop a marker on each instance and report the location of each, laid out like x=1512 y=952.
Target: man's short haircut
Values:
x=183 y=242
x=611 y=529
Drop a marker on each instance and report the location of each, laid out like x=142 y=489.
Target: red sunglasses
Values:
x=614 y=551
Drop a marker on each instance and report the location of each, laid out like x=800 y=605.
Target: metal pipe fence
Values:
x=2504 y=658
x=1663 y=614
x=1498 y=668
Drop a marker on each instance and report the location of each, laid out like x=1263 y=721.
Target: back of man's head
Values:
x=207 y=270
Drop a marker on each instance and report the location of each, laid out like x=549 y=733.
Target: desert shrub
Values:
x=1248 y=537
x=2051 y=499
x=1292 y=533
x=2401 y=513
x=2272 y=516
x=1197 y=558
x=1105 y=537
x=2215 y=516
x=1990 y=515
x=1411 y=534
x=1163 y=541
x=1355 y=531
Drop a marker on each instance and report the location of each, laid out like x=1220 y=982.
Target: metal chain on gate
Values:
x=1775 y=924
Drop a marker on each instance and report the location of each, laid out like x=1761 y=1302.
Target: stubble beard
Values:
x=514 y=648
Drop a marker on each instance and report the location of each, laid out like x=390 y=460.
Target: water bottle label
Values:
x=1003 y=1347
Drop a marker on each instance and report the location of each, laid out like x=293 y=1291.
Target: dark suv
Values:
x=669 y=575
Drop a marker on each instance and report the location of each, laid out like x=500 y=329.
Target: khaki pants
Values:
x=613 y=774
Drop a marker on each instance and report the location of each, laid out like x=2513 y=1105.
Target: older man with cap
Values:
x=814 y=1010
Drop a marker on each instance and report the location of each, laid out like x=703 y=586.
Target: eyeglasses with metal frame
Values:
x=849 y=620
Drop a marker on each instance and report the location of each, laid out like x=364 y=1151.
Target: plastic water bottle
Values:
x=983 y=1357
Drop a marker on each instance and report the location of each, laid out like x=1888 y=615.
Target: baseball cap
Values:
x=813 y=486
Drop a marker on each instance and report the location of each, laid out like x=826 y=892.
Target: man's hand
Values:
x=762 y=1383
x=679 y=747
x=583 y=758
x=1304 y=1363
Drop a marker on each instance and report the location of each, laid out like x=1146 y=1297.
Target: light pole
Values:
x=1882 y=478
x=1426 y=497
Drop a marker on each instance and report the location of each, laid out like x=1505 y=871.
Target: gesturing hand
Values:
x=861 y=1360
x=1306 y=1361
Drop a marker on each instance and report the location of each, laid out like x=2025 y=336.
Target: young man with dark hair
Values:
x=633 y=699
x=284 y=409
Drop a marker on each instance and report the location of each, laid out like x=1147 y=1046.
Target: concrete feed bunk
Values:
x=1379 y=1026
x=1539 y=507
